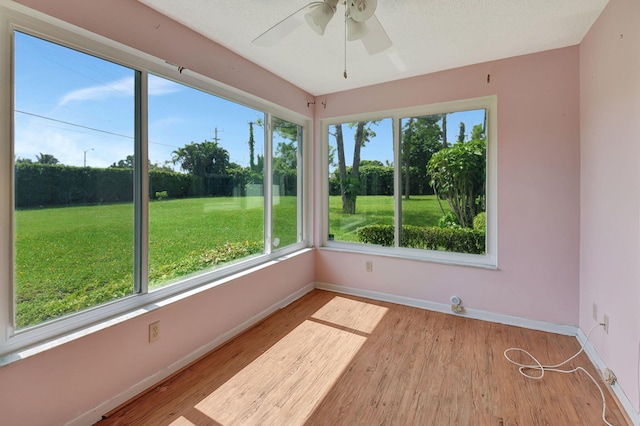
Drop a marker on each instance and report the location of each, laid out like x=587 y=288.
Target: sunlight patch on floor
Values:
x=287 y=382
x=182 y=421
x=360 y=316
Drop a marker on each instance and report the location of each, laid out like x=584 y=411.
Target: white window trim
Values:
x=488 y=260
x=17 y=17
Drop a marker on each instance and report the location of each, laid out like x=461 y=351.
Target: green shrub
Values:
x=196 y=262
x=480 y=221
x=458 y=176
x=459 y=240
x=449 y=220
x=161 y=195
x=376 y=234
x=230 y=251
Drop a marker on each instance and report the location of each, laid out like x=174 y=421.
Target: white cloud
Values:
x=161 y=86
x=69 y=146
x=119 y=88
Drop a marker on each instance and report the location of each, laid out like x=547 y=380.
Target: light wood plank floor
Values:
x=332 y=359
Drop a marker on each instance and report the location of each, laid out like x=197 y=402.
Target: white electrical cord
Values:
x=543 y=368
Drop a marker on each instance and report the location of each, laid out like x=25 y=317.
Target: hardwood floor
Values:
x=332 y=359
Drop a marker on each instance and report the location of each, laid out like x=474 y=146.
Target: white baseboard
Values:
x=567 y=330
x=96 y=413
x=601 y=366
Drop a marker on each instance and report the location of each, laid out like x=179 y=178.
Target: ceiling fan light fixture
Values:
x=356 y=30
x=319 y=17
x=361 y=10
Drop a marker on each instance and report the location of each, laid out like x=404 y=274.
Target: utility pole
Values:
x=85 y=156
x=215 y=137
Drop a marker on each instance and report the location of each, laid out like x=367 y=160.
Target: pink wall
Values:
x=63 y=383
x=538 y=190
x=541 y=208
x=610 y=191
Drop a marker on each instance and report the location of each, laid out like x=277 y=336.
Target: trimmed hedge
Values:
x=43 y=185
x=459 y=240
x=378 y=180
x=176 y=184
x=40 y=185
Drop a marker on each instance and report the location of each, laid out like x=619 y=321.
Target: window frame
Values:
x=300 y=182
x=488 y=260
x=12 y=18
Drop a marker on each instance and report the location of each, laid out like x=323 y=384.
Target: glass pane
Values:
x=287 y=140
x=74 y=116
x=361 y=181
x=443 y=181
x=205 y=182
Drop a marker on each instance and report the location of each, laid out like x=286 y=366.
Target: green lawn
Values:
x=68 y=259
x=181 y=230
x=71 y=258
x=419 y=210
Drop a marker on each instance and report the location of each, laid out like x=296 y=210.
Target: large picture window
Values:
x=360 y=177
x=419 y=183
x=74 y=215
x=129 y=186
x=206 y=181
x=287 y=140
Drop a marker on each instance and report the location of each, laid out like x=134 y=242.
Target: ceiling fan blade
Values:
x=376 y=40
x=283 y=28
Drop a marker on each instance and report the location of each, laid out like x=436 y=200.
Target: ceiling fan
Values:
x=361 y=24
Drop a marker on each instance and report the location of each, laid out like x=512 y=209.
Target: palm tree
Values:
x=46 y=159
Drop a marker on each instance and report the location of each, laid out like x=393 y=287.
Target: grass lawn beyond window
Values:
x=419 y=210
x=72 y=258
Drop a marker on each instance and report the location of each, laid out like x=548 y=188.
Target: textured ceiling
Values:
x=427 y=35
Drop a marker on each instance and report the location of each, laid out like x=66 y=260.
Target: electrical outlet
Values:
x=369 y=266
x=154 y=331
x=595 y=312
x=606 y=323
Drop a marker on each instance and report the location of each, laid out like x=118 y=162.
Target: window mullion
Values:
x=397 y=181
x=7 y=216
x=268 y=182
x=300 y=184
x=141 y=185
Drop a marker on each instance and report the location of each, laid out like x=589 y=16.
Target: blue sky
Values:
x=80 y=108
x=69 y=104
x=381 y=147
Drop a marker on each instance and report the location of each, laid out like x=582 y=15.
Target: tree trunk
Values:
x=349 y=183
x=349 y=204
x=342 y=167
x=407 y=159
x=355 y=168
x=444 y=131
